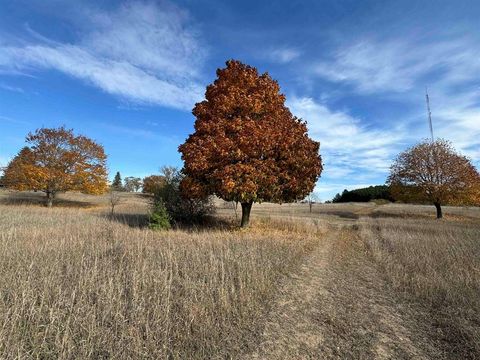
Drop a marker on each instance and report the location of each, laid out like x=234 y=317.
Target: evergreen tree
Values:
x=117 y=181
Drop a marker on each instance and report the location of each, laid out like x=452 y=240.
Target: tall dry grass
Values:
x=437 y=263
x=74 y=285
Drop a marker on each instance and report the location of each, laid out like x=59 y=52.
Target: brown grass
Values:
x=74 y=284
x=437 y=264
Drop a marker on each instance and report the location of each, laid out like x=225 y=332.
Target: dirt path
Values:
x=338 y=306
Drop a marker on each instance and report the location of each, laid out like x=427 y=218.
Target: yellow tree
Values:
x=434 y=172
x=247 y=146
x=56 y=161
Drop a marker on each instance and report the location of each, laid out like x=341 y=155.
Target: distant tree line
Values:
x=130 y=183
x=364 y=194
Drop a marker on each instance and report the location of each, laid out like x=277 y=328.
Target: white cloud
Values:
x=399 y=65
x=349 y=149
x=283 y=55
x=462 y=127
x=11 y=88
x=141 y=52
x=149 y=37
x=400 y=69
x=367 y=67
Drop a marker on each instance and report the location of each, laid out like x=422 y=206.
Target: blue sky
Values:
x=127 y=73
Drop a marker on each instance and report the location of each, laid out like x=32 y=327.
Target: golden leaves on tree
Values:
x=56 y=160
x=247 y=146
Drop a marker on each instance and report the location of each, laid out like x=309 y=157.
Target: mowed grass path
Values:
x=345 y=281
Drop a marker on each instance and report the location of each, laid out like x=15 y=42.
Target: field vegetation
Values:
x=437 y=265
x=343 y=281
x=77 y=283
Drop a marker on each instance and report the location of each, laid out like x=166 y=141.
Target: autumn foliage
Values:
x=433 y=172
x=247 y=145
x=55 y=161
x=152 y=183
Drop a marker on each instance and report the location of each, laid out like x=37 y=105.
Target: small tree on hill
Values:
x=312 y=198
x=153 y=183
x=58 y=161
x=114 y=199
x=247 y=145
x=117 y=182
x=433 y=172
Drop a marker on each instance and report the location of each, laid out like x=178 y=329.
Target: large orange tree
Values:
x=55 y=161
x=247 y=146
x=433 y=172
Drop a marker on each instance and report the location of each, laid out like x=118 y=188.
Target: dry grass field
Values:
x=437 y=264
x=345 y=281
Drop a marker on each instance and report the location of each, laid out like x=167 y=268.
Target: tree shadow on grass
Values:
x=341 y=214
x=39 y=199
x=140 y=221
x=209 y=223
x=129 y=219
x=386 y=215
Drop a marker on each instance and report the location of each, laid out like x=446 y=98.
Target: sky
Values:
x=128 y=73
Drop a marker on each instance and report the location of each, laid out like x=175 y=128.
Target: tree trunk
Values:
x=50 y=196
x=439 y=210
x=235 y=208
x=246 y=207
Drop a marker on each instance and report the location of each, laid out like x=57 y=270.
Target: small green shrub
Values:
x=159 y=218
x=180 y=208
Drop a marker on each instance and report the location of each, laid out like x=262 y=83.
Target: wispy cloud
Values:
x=400 y=69
x=13 y=121
x=283 y=55
x=139 y=133
x=398 y=65
x=141 y=52
x=11 y=88
x=349 y=149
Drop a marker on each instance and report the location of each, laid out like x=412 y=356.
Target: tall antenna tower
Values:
x=429 y=114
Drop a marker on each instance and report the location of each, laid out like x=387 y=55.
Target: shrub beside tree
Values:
x=159 y=218
x=56 y=161
x=180 y=207
x=433 y=172
x=247 y=146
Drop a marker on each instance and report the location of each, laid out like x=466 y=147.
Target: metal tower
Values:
x=429 y=114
